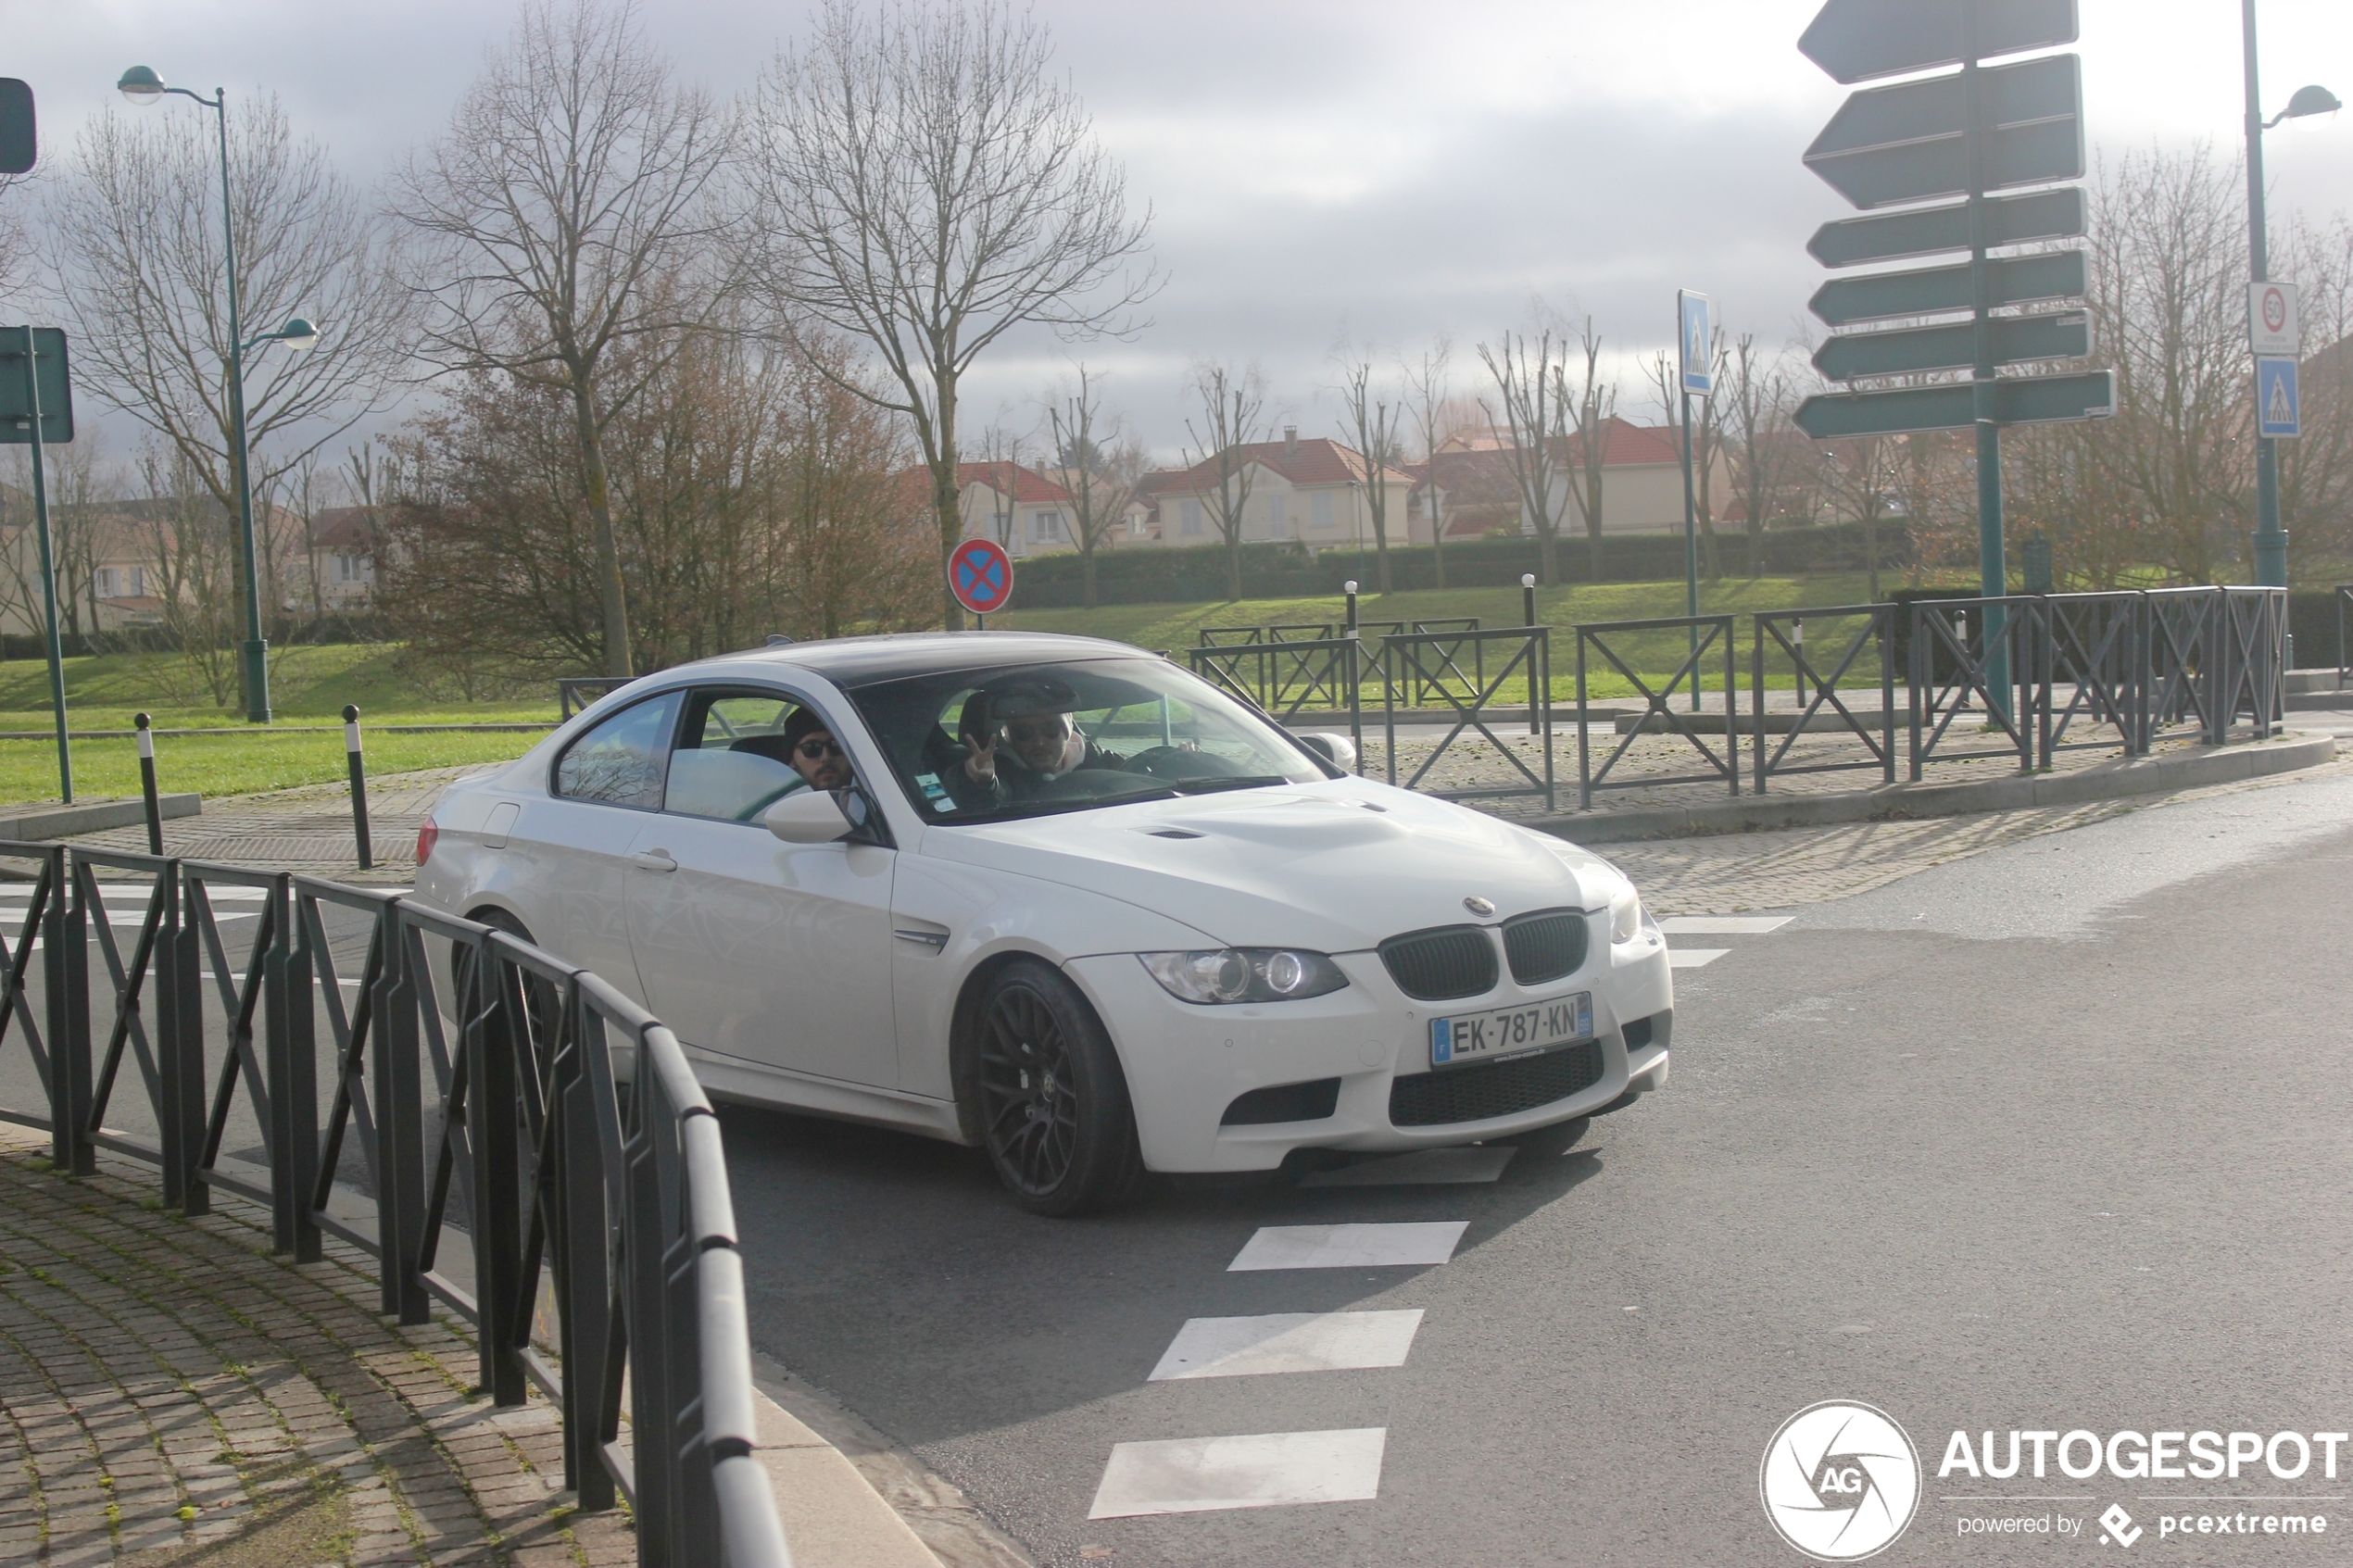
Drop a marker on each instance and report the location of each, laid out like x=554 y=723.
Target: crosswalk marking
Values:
x=1281 y=1342
x=1422 y=1167
x=1694 y=958
x=1263 y=1470
x=1723 y=925
x=1410 y=1244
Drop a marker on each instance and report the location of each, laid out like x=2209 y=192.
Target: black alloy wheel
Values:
x=1053 y=1103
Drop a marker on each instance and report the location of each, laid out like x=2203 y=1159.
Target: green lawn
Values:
x=308 y=686
x=1653 y=654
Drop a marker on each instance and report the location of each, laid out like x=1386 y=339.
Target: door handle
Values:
x=654 y=861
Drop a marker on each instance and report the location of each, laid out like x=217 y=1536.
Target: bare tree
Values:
x=1594 y=404
x=1757 y=406
x=1097 y=469
x=1371 y=425
x=134 y=229
x=1426 y=381
x=1529 y=390
x=925 y=186
x=1705 y=439
x=571 y=206
x=1230 y=410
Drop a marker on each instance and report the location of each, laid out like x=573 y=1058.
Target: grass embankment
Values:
x=1653 y=654
x=308 y=685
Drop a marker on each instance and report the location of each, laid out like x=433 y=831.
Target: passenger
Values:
x=1019 y=740
x=813 y=752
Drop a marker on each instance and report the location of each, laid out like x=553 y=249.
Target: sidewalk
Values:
x=173 y=1392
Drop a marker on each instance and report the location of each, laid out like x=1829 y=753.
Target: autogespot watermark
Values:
x=1841 y=1481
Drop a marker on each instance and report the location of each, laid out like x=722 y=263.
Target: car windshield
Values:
x=1028 y=740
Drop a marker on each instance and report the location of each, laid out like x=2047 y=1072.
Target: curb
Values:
x=64 y=821
x=2109 y=781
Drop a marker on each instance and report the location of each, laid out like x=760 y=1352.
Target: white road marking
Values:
x=1423 y=1166
x=1694 y=958
x=1287 y=1342
x=1723 y=925
x=1412 y=1244
x=1267 y=1470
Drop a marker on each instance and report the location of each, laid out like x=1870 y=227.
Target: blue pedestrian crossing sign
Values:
x=1695 y=343
x=2278 y=415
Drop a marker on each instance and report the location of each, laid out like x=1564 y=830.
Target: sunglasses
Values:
x=815 y=749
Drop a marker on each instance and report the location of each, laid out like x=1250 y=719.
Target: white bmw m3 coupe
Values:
x=1061 y=900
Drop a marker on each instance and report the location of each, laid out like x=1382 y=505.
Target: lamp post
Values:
x=2271 y=539
x=142 y=85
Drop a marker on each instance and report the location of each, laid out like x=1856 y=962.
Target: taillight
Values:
x=426 y=838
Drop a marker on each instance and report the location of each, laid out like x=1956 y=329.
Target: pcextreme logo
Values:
x=1840 y=1481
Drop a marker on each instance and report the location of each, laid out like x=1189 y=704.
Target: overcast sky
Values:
x=1319 y=170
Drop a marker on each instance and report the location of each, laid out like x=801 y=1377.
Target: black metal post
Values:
x=1527 y=619
x=148 y=784
x=358 y=785
x=400 y=1133
x=65 y=976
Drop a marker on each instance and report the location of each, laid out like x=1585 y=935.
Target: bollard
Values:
x=1528 y=608
x=147 y=784
x=1349 y=588
x=358 y=785
x=1797 y=635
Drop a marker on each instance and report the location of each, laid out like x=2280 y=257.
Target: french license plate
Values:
x=1509 y=1032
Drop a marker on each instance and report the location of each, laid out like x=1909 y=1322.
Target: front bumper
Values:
x=1185 y=1064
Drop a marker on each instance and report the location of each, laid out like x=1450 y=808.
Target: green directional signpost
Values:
x=1966 y=133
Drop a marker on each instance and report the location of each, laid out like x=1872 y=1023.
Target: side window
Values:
x=738 y=755
x=620 y=762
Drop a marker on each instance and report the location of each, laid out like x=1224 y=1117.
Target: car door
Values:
x=748 y=947
x=576 y=839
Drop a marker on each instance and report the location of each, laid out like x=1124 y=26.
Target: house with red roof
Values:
x=1022 y=509
x=1309 y=491
x=1472 y=484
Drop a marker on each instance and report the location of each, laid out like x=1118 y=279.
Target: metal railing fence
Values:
x=1782 y=634
x=478 y=1082
x=1990 y=647
x=1707 y=632
x=1339 y=673
x=1431 y=663
x=1287 y=682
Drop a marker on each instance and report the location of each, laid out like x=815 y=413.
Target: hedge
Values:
x=1154 y=575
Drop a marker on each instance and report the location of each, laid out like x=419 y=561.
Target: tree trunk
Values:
x=1593 y=554
x=951 y=533
x=1711 y=564
x=1233 y=567
x=598 y=491
x=1548 y=557
x=1086 y=574
x=1381 y=549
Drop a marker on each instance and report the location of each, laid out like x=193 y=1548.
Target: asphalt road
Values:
x=2051 y=1138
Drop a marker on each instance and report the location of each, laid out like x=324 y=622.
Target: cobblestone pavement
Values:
x=305 y=829
x=1731 y=873
x=171 y=1393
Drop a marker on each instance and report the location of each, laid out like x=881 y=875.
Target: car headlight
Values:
x=1626 y=915
x=1243 y=974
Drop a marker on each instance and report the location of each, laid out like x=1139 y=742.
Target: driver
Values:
x=1020 y=738
x=813 y=752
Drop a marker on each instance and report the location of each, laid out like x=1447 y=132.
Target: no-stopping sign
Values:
x=981 y=575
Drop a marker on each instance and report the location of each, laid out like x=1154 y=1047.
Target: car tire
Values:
x=1054 y=1114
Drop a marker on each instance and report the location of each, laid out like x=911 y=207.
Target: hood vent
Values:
x=1442 y=963
x=1172 y=833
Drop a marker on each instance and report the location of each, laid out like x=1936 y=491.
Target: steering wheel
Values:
x=1175 y=762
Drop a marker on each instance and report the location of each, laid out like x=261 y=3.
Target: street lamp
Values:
x=2271 y=539
x=143 y=87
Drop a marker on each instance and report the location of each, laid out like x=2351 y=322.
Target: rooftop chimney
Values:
x=1291 y=444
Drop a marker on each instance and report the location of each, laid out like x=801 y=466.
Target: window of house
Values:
x=1277 y=519
x=1323 y=509
x=1045 y=528
x=1190 y=522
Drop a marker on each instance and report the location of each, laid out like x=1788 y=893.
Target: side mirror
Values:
x=1335 y=749
x=809 y=816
